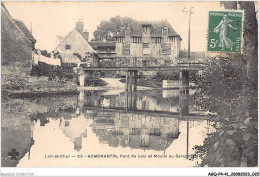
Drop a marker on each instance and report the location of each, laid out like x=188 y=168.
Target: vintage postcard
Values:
x=129 y=84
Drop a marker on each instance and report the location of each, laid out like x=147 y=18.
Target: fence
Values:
x=148 y=62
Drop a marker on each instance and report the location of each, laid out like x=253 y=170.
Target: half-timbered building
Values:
x=155 y=39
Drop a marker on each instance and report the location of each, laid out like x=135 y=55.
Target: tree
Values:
x=229 y=89
x=106 y=30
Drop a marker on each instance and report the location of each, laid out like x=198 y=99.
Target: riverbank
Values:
x=41 y=86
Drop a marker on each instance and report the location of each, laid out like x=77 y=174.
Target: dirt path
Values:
x=113 y=82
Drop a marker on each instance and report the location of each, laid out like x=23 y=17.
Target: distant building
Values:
x=148 y=39
x=17 y=44
x=105 y=50
x=74 y=48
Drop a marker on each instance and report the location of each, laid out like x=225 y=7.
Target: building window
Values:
x=127 y=31
x=67 y=47
x=120 y=39
x=145 y=45
x=166 y=39
x=145 y=29
x=137 y=40
x=126 y=49
x=158 y=40
x=108 y=50
x=172 y=39
x=146 y=50
x=166 y=49
x=165 y=32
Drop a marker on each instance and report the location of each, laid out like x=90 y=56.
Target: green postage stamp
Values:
x=225 y=31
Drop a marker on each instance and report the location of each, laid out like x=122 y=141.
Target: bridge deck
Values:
x=151 y=68
x=145 y=64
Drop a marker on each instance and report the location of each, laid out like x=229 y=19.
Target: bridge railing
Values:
x=146 y=62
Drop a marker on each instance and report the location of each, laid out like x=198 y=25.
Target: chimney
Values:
x=80 y=26
x=86 y=35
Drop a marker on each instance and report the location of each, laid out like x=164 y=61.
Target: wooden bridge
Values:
x=132 y=65
x=145 y=64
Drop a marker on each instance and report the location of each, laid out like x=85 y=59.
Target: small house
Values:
x=74 y=50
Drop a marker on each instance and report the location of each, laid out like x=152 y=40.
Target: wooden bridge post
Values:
x=184 y=103
x=84 y=75
x=81 y=99
x=82 y=78
x=184 y=92
x=135 y=80
x=184 y=81
x=134 y=100
x=126 y=97
x=127 y=80
x=130 y=83
x=130 y=99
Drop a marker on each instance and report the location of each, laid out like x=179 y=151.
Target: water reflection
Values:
x=101 y=122
x=75 y=129
x=171 y=101
x=136 y=130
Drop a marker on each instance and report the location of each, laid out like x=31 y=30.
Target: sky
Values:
x=49 y=19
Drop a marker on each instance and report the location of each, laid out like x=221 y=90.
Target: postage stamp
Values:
x=225 y=31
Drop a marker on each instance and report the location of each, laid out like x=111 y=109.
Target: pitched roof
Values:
x=5 y=9
x=96 y=44
x=19 y=25
x=24 y=29
x=80 y=45
x=156 y=30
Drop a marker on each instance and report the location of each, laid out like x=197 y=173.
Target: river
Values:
x=108 y=128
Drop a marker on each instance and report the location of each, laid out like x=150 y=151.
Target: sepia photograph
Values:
x=129 y=84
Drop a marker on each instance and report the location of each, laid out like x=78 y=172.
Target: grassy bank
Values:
x=37 y=86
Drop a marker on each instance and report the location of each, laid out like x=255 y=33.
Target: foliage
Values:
x=106 y=30
x=228 y=91
x=166 y=75
x=13 y=82
x=43 y=69
x=78 y=55
x=45 y=53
